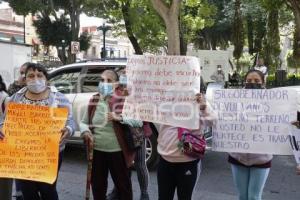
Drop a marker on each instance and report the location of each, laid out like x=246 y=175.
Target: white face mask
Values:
x=37 y=86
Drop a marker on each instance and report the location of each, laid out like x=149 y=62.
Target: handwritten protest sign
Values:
x=253 y=121
x=31 y=145
x=162 y=90
x=295 y=142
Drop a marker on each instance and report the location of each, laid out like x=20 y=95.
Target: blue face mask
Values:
x=123 y=80
x=105 y=89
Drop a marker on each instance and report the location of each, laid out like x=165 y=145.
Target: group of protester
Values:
x=103 y=133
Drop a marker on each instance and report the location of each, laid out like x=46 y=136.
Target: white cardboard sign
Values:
x=253 y=121
x=295 y=142
x=162 y=90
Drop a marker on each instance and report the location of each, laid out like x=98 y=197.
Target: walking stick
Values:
x=89 y=169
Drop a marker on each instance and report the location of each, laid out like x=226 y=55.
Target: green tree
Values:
x=255 y=20
x=194 y=16
x=271 y=46
x=238 y=32
x=169 y=11
x=55 y=12
x=146 y=29
x=220 y=33
x=141 y=23
x=85 y=40
x=294 y=5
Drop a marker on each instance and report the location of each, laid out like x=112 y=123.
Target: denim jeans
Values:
x=249 y=181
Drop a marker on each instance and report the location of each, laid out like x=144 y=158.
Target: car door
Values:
x=67 y=81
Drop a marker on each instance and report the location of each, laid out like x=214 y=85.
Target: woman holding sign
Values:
x=38 y=93
x=181 y=150
x=250 y=171
x=140 y=157
x=101 y=127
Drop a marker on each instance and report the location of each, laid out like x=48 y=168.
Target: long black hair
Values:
x=2 y=85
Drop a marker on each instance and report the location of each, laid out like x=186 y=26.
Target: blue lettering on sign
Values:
x=240 y=106
x=230 y=145
x=255 y=127
x=276 y=119
x=237 y=117
x=278 y=138
x=252 y=94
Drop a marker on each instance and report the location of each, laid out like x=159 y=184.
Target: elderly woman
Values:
x=101 y=127
x=38 y=93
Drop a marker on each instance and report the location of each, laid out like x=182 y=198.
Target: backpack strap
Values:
x=91 y=109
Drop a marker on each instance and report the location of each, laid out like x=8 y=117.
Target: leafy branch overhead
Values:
x=145 y=28
x=57 y=22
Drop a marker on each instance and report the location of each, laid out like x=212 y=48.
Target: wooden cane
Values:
x=89 y=170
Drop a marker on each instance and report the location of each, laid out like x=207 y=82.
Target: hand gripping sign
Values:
x=31 y=145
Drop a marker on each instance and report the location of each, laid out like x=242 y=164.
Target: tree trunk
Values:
x=75 y=28
x=250 y=34
x=62 y=56
x=173 y=35
x=295 y=7
x=260 y=32
x=238 y=36
x=170 y=16
x=296 y=47
x=125 y=12
x=183 y=43
x=271 y=49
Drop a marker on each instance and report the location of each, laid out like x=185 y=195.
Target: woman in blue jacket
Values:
x=37 y=92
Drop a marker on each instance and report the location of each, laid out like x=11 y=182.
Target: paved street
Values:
x=215 y=182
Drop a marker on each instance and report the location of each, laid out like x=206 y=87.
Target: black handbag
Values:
x=133 y=136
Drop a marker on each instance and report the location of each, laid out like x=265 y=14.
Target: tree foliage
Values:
x=238 y=31
x=57 y=21
x=145 y=28
x=142 y=24
x=217 y=34
x=294 y=5
x=194 y=17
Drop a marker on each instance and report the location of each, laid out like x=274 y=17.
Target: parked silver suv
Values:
x=79 y=82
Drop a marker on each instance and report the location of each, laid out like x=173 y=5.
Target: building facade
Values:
x=116 y=47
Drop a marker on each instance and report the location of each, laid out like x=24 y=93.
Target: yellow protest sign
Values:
x=31 y=146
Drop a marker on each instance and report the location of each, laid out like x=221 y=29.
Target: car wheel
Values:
x=152 y=156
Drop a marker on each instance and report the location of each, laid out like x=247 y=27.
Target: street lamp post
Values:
x=104 y=28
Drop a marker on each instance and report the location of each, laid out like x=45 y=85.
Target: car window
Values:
x=92 y=77
x=66 y=81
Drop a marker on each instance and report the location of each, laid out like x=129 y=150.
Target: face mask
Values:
x=123 y=80
x=36 y=86
x=253 y=86
x=106 y=89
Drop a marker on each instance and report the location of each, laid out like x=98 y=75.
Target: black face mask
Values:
x=253 y=86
